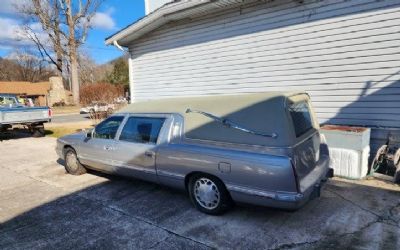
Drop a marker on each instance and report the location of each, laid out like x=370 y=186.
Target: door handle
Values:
x=149 y=154
x=108 y=147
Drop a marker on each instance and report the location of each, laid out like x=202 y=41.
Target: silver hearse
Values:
x=263 y=149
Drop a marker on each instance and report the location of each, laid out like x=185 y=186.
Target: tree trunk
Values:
x=75 y=78
x=72 y=52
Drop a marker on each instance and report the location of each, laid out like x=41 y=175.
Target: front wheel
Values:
x=209 y=194
x=72 y=164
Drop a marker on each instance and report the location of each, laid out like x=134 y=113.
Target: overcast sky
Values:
x=111 y=17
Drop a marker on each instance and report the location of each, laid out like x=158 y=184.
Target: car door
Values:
x=97 y=150
x=136 y=147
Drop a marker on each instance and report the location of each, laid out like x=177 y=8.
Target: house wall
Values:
x=344 y=53
x=151 y=5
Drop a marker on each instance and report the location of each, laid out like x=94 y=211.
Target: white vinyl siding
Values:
x=344 y=53
x=152 y=5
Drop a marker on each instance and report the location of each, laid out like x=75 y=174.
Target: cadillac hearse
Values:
x=263 y=149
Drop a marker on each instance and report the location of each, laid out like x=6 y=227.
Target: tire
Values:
x=72 y=164
x=396 y=158
x=38 y=132
x=208 y=194
x=378 y=158
x=396 y=177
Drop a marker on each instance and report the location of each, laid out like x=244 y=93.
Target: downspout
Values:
x=130 y=69
x=115 y=43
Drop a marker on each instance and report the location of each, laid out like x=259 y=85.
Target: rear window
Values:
x=301 y=117
x=142 y=130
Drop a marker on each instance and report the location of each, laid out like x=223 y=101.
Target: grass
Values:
x=60 y=131
x=66 y=110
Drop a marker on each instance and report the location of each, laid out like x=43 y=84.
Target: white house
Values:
x=344 y=53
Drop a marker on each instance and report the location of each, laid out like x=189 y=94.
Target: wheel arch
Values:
x=67 y=146
x=194 y=173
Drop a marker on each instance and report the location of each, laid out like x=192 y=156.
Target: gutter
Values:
x=169 y=12
x=154 y=19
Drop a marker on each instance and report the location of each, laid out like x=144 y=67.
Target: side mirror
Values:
x=88 y=133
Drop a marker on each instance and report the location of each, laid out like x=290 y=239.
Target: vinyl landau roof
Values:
x=263 y=113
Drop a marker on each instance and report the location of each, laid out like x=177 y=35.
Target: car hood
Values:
x=76 y=137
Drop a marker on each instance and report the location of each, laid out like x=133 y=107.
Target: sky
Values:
x=112 y=16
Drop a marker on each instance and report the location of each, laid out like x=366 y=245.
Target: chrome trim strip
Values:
x=281 y=196
x=250 y=191
x=141 y=169
x=170 y=174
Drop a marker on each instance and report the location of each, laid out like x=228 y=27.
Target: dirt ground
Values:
x=43 y=207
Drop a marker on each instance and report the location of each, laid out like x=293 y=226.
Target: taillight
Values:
x=50 y=112
x=296 y=177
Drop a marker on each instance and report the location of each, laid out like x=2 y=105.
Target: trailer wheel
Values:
x=379 y=158
x=396 y=177
x=396 y=158
x=38 y=132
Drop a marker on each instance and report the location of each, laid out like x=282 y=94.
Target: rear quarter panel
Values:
x=238 y=168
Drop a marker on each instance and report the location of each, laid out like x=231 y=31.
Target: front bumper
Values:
x=60 y=150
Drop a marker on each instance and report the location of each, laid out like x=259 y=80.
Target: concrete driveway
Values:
x=43 y=207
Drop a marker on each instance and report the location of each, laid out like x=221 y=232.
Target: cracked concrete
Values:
x=42 y=207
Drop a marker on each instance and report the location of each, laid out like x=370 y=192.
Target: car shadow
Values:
x=126 y=212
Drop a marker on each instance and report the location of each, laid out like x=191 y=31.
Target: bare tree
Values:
x=66 y=23
x=90 y=72
x=25 y=65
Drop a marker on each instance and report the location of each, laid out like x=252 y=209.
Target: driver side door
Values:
x=97 y=150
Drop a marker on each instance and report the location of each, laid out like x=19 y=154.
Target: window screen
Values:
x=108 y=128
x=142 y=130
x=301 y=117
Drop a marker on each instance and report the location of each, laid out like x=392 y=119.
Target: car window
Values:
x=107 y=129
x=301 y=116
x=7 y=100
x=142 y=130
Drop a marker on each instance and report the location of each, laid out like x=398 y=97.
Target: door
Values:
x=136 y=148
x=97 y=151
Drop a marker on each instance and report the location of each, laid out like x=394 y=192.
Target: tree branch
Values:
x=32 y=36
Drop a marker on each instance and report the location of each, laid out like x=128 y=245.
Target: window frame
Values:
x=313 y=127
x=163 y=136
x=116 y=133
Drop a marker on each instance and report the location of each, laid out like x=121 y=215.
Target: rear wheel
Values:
x=38 y=132
x=209 y=194
x=72 y=164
